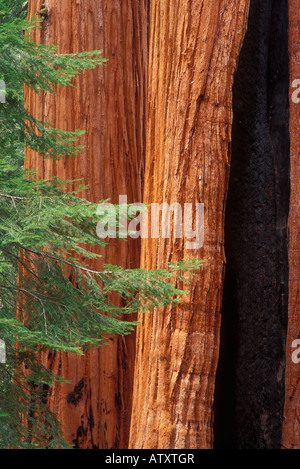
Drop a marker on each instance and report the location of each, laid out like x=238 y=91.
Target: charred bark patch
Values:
x=81 y=433
x=75 y=396
x=250 y=380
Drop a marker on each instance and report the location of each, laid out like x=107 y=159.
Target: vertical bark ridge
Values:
x=109 y=103
x=194 y=47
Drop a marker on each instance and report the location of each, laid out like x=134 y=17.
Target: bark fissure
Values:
x=250 y=380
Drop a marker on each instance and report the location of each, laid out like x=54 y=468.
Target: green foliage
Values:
x=47 y=236
x=42 y=69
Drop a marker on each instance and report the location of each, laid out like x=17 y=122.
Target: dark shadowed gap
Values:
x=249 y=396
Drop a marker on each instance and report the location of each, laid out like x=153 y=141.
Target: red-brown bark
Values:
x=291 y=424
x=194 y=47
x=109 y=103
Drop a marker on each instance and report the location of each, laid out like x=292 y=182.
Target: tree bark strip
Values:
x=291 y=424
x=109 y=103
x=194 y=47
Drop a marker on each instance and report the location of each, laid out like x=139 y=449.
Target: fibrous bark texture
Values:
x=194 y=46
x=250 y=385
x=291 y=424
x=109 y=103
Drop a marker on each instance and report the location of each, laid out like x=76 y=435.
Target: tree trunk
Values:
x=291 y=424
x=194 y=47
x=109 y=103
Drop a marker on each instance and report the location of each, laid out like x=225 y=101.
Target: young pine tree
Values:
x=45 y=237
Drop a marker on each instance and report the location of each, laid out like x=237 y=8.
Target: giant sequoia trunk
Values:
x=109 y=103
x=194 y=47
x=291 y=425
x=194 y=50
